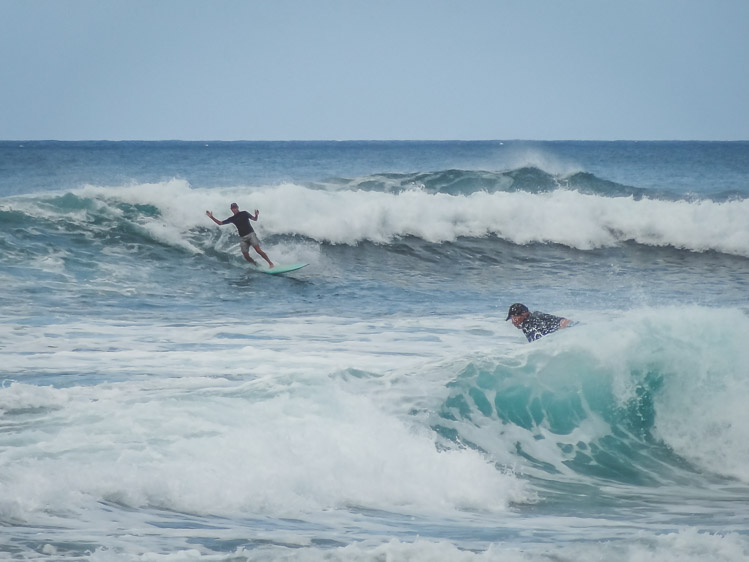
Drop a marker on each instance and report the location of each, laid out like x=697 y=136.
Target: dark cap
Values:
x=516 y=310
x=233 y=205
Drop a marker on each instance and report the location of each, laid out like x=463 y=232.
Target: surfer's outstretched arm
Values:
x=214 y=219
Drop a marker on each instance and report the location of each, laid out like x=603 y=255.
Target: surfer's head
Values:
x=516 y=309
x=234 y=208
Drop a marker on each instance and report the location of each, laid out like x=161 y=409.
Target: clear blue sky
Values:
x=374 y=69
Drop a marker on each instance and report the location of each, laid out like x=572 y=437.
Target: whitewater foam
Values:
x=565 y=217
x=171 y=438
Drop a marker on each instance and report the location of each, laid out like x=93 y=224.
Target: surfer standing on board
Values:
x=535 y=324
x=247 y=236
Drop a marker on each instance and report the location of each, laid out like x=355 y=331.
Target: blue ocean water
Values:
x=161 y=400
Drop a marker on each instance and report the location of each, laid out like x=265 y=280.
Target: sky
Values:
x=374 y=69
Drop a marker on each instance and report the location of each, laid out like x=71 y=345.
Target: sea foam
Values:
x=567 y=217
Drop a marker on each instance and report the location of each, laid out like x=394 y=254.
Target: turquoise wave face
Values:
x=642 y=404
x=564 y=411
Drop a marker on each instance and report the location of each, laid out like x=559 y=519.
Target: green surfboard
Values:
x=281 y=268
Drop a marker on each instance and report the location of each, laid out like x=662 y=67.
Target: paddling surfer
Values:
x=535 y=324
x=247 y=236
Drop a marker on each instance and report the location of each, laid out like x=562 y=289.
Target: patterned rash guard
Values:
x=539 y=324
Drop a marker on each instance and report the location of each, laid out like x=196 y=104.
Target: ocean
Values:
x=160 y=400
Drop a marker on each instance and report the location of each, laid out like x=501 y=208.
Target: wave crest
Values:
x=173 y=213
x=616 y=400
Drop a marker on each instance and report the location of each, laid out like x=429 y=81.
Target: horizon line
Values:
x=368 y=140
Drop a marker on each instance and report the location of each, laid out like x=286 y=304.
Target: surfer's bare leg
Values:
x=248 y=258
x=263 y=255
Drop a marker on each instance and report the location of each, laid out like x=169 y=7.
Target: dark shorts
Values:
x=248 y=240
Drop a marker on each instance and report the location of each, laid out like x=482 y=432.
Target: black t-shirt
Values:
x=539 y=324
x=242 y=221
